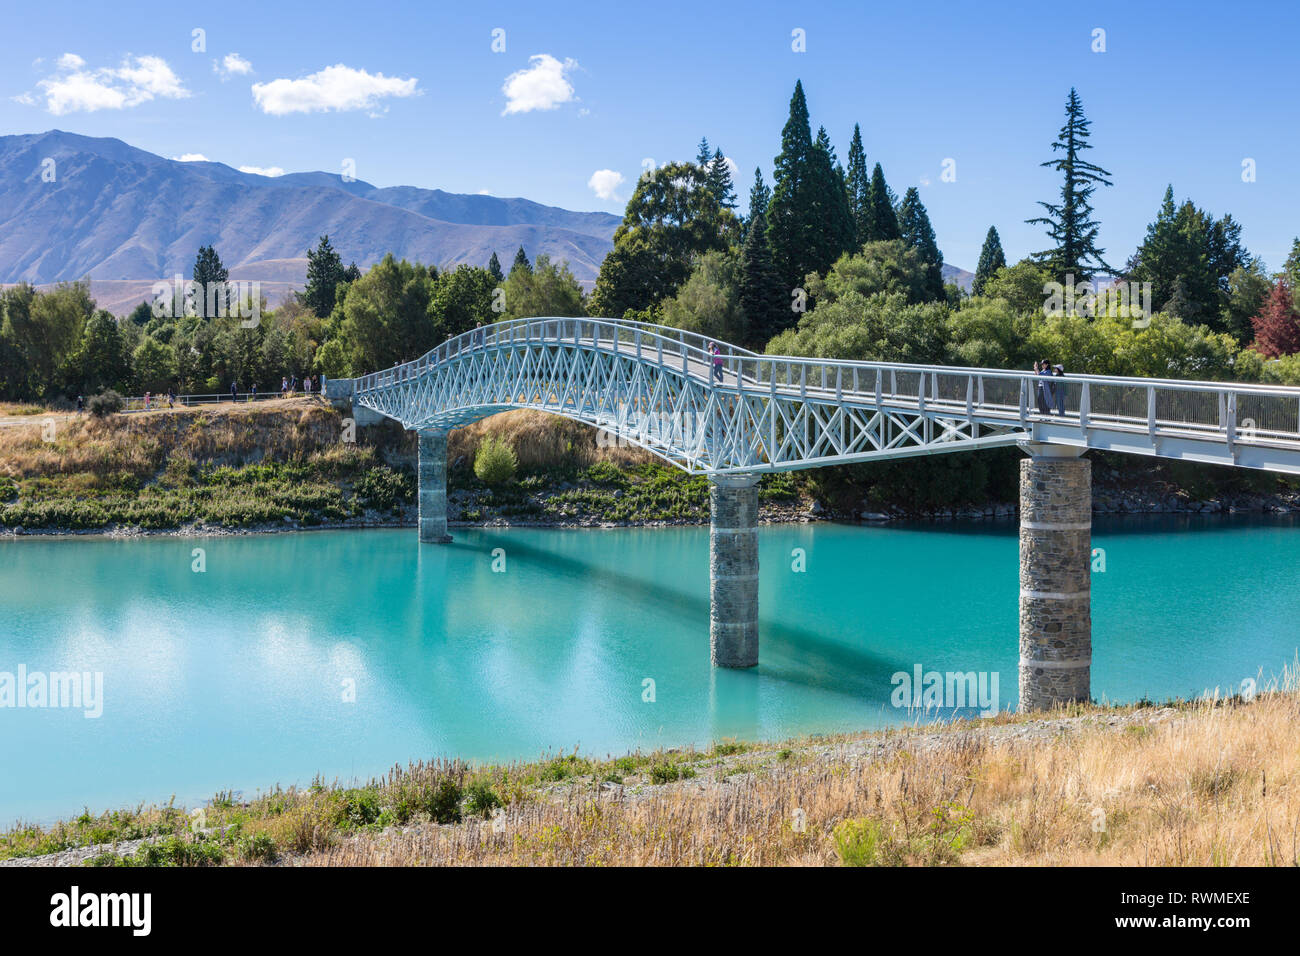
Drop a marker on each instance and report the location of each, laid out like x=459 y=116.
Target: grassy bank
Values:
x=1212 y=782
x=284 y=463
x=224 y=466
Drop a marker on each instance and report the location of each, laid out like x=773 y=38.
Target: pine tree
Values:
x=324 y=272
x=703 y=155
x=1277 y=327
x=831 y=210
x=208 y=271
x=1188 y=251
x=991 y=260
x=724 y=189
x=763 y=298
x=759 y=197
x=882 y=221
x=788 y=226
x=1291 y=268
x=521 y=261
x=914 y=224
x=1069 y=224
x=858 y=184
x=494 y=268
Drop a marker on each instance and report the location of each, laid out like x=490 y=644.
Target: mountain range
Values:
x=73 y=206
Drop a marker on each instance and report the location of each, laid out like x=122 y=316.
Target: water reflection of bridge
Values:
x=732 y=415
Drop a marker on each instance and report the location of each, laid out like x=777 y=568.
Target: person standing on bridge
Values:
x=717 y=361
x=1059 y=372
x=234 y=391
x=1042 y=391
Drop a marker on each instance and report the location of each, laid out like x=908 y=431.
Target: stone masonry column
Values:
x=433 y=487
x=733 y=570
x=1055 y=576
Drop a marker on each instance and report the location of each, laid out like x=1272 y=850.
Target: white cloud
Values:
x=604 y=182
x=72 y=88
x=544 y=85
x=271 y=171
x=232 y=64
x=336 y=87
x=191 y=158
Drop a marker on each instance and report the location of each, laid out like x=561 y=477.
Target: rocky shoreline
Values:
x=1108 y=503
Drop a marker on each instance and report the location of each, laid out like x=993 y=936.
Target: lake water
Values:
x=243 y=676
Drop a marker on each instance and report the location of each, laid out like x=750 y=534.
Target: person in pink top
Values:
x=717 y=361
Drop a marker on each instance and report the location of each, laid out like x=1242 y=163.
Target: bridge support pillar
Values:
x=433 y=487
x=733 y=570
x=1055 y=576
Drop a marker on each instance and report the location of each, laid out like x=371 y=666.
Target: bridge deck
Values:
x=949 y=409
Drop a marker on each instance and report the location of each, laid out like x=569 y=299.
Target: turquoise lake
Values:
x=240 y=677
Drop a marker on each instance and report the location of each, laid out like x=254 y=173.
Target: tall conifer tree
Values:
x=1069 y=223
x=787 y=216
x=914 y=224
x=882 y=221
x=858 y=184
x=991 y=260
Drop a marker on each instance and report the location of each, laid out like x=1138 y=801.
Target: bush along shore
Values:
x=1207 y=783
x=285 y=465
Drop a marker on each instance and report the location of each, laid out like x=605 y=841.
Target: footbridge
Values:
x=715 y=409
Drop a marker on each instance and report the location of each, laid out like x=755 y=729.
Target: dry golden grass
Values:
x=140 y=445
x=1211 y=783
x=541 y=440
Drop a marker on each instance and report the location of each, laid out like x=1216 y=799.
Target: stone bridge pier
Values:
x=733 y=570
x=1055 y=576
x=433 y=487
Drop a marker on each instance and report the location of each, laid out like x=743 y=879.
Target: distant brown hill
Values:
x=127 y=218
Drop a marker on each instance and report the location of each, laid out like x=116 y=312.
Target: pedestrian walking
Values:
x=717 y=361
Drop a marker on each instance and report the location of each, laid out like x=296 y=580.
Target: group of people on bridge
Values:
x=1050 y=398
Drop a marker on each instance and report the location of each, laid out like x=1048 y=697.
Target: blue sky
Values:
x=1183 y=94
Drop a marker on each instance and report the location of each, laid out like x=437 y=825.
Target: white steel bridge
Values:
x=656 y=387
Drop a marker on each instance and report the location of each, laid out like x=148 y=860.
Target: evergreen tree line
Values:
x=56 y=344
x=683 y=257
x=827 y=260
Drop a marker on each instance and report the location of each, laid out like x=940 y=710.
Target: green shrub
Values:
x=358 y=808
x=606 y=474
x=481 y=799
x=260 y=848
x=106 y=403
x=495 y=461
x=860 y=842
x=669 y=772
x=173 y=851
x=8 y=489
x=443 y=802
x=385 y=489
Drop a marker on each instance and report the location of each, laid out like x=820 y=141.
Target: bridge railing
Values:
x=1233 y=411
